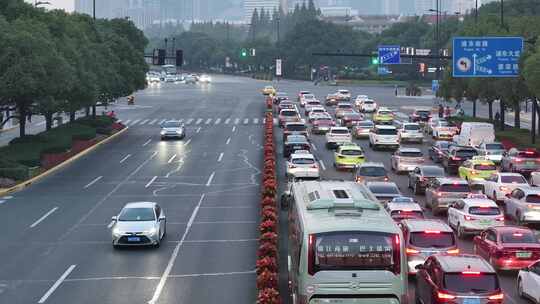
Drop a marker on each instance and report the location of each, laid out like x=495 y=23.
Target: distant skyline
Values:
x=67 y=5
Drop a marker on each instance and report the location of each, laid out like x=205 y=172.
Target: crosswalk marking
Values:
x=162 y=121
x=127 y=122
x=153 y=121
x=255 y=120
x=236 y=121
x=199 y=120
x=181 y=120
x=189 y=121
x=217 y=121
x=136 y=121
x=264 y=120
x=246 y=121
x=227 y=121
x=144 y=121
x=208 y=121
x=275 y=121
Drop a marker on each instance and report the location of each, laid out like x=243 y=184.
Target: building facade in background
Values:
x=268 y=5
x=421 y=7
x=390 y=7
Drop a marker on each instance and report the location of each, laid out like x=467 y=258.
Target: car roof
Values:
x=344 y=103
x=302 y=155
x=484 y=202
x=392 y=184
x=384 y=109
x=401 y=206
x=288 y=110
x=463 y=262
x=367 y=121
x=352 y=146
x=140 y=205
x=409 y=123
x=406 y=149
x=422 y=109
x=451 y=180
x=339 y=128
x=482 y=161
x=372 y=164
x=385 y=127
x=510 y=228
x=416 y=225
x=509 y=174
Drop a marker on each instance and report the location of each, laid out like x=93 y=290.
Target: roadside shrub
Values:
x=104 y=130
x=268 y=226
x=98 y=122
x=270 y=237
x=16 y=173
x=28 y=139
x=266 y=263
x=86 y=136
x=55 y=150
x=268 y=296
x=267 y=279
x=267 y=250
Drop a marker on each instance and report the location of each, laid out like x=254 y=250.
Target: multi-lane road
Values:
x=56 y=246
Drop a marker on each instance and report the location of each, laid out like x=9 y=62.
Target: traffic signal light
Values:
x=161 y=57
x=179 y=58
x=374 y=60
x=243 y=53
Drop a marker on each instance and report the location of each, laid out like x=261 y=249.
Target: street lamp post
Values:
x=502 y=13
x=476 y=12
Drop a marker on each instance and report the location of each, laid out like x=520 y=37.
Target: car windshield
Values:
x=410 y=154
x=387 y=132
x=374 y=171
x=471 y=283
x=313 y=103
x=384 y=113
x=303 y=161
x=369 y=102
x=351 y=152
x=384 y=189
x=411 y=127
x=171 y=124
x=466 y=153
x=432 y=239
x=524 y=237
x=432 y=171
x=455 y=187
x=289 y=113
x=513 y=179
x=137 y=215
x=494 y=147
x=484 y=210
x=309 y=96
x=485 y=167
x=423 y=113
x=533 y=198
x=365 y=124
x=344 y=106
x=340 y=131
x=296 y=139
x=299 y=128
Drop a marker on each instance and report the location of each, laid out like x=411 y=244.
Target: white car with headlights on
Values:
x=474 y=215
x=172 y=129
x=205 y=79
x=139 y=224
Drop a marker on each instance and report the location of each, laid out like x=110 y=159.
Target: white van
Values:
x=343 y=246
x=475 y=133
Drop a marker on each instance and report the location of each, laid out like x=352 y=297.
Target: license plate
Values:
x=471 y=301
x=523 y=254
x=485 y=222
x=531 y=163
x=134 y=239
x=297 y=147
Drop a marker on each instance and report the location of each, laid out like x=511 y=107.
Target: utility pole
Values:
x=173 y=46
x=94 y=9
x=277 y=19
x=502 y=13
x=476 y=12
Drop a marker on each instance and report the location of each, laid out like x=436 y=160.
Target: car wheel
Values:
x=519 y=220
x=460 y=231
x=158 y=244
x=116 y=247
x=520 y=289
x=415 y=189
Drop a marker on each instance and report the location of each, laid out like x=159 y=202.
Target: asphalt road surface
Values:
x=56 y=245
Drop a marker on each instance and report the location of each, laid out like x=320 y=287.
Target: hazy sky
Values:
x=68 y=5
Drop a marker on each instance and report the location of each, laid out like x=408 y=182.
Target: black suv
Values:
x=422 y=175
x=457 y=155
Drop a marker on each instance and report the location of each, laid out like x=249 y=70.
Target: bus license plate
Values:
x=134 y=239
x=523 y=254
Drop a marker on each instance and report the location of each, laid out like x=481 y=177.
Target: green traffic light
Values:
x=374 y=60
x=243 y=53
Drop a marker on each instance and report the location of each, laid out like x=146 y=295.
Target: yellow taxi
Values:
x=348 y=156
x=478 y=167
x=269 y=90
x=383 y=116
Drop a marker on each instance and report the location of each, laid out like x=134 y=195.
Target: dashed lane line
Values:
x=56 y=284
x=171 y=159
x=93 y=182
x=322 y=164
x=209 y=182
x=220 y=157
x=125 y=158
x=150 y=182
x=41 y=219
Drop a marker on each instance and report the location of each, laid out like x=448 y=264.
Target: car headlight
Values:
x=179 y=131
x=152 y=231
x=162 y=132
x=117 y=232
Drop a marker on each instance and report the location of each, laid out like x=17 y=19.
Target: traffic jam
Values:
x=380 y=203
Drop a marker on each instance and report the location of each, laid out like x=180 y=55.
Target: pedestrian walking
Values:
x=441 y=111
x=395 y=90
x=497 y=116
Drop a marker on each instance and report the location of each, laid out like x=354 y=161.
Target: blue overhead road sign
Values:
x=486 y=56
x=389 y=54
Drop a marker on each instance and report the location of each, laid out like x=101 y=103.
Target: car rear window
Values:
x=466 y=153
x=484 y=210
x=471 y=283
x=529 y=154
x=372 y=171
x=340 y=131
x=387 y=132
x=411 y=127
x=432 y=239
x=303 y=161
x=296 y=128
x=410 y=153
x=406 y=214
x=309 y=96
x=494 y=147
x=485 y=167
x=384 y=189
x=423 y=113
x=533 y=199
x=353 y=250
x=455 y=188
x=344 y=106
x=352 y=152
x=433 y=172
x=368 y=102
x=518 y=237
x=366 y=124
x=289 y=113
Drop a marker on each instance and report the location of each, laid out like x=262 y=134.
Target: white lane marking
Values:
x=93 y=182
x=125 y=157
x=174 y=256
x=198 y=130
x=189 y=121
x=255 y=121
x=127 y=122
x=171 y=159
x=212 y=274
x=162 y=121
x=147 y=142
x=322 y=164
x=144 y=121
x=227 y=121
x=56 y=284
x=210 y=179
x=43 y=217
x=2 y=201
x=153 y=122
x=228 y=141
x=246 y=121
x=220 y=157
x=135 y=122
x=264 y=120
x=150 y=182
x=236 y=121
x=314 y=147
x=187 y=142
x=217 y=121
x=208 y=121
x=199 y=120
x=7 y=197
x=234 y=128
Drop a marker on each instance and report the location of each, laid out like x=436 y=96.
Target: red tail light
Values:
x=500 y=219
x=386 y=178
x=453 y=251
x=456 y=158
x=498 y=296
x=439 y=194
x=292 y=166
x=397 y=254
x=445 y=296
x=470 y=273
x=410 y=251
x=311 y=254
x=474 y=172
x=314 y=166
x=518 y=160
x=432 y=231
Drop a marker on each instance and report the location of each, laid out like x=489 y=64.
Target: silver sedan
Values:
x=139 y=224
x=172 y=129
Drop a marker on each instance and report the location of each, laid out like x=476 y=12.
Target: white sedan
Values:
x=499 y=184
x=302 y=165
x=139 y=224
x=528 y=282
x=474 y=215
